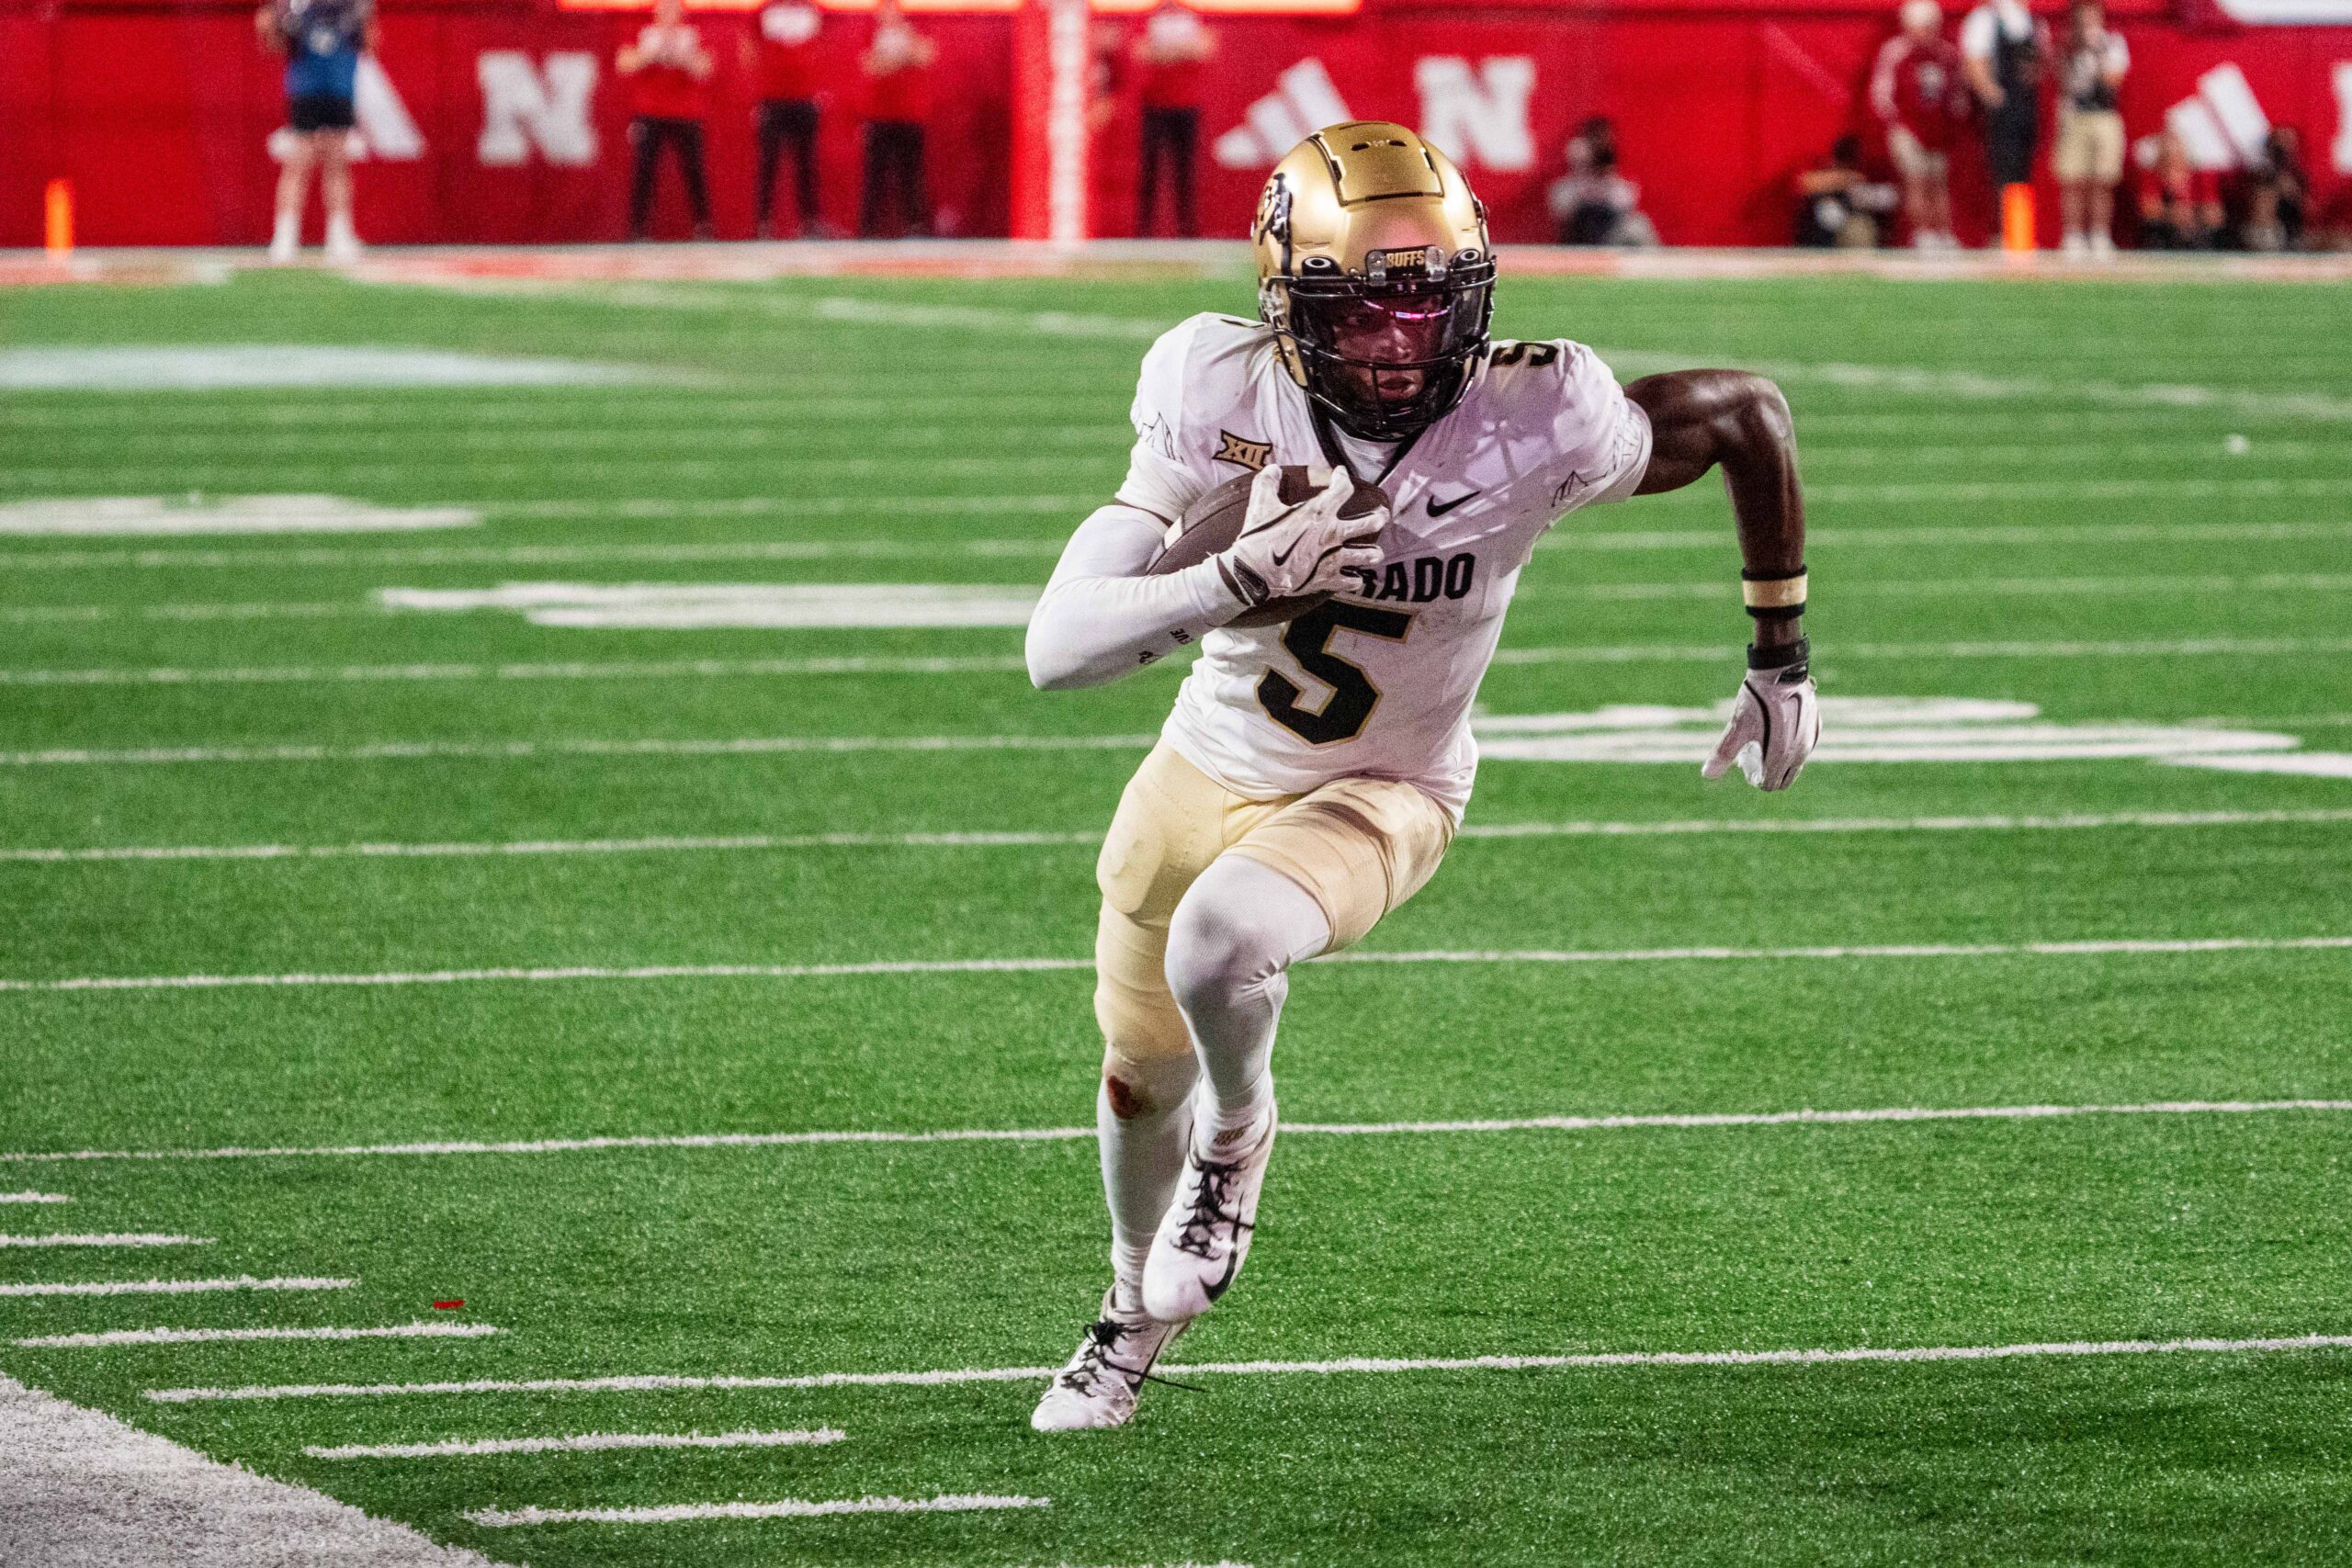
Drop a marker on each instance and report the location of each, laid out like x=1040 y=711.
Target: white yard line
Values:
x=225 y=1336
x=648 y=469
x=586 y=1442
x=2122 y=945
x=785 y=1509
x=173 y=1287
x=35 y=1198
x=108 y=1238
x=41 y=614
x=2174 y=490
x=608 y=669
x=402 y=751
x=1699 y=592
x=1005 y=664
x=655 y=845
x=568 y=972
x=657 y=1383
x=2181 y=647
x=79 y=1489
x=764 y=842
x=1899 y=1115
x=1069 y=508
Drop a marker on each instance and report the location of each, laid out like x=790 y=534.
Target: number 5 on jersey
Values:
x=1354 y=697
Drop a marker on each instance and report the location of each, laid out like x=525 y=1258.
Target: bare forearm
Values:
x=1738 y=421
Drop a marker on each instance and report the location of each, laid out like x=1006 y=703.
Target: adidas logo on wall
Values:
x=1304 y=100
x=2222 y=126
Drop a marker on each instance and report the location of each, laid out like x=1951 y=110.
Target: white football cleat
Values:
x=1098 y=1386
x=1201 y=1244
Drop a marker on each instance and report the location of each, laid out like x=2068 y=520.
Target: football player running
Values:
x=1313 y=772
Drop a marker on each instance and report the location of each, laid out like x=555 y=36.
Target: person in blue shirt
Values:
x=321 y=40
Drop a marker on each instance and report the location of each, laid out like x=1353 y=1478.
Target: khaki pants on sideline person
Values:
x=2089 y=149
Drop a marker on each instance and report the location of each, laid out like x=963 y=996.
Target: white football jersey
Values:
x=1379 y=681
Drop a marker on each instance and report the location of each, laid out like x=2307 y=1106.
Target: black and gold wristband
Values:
x=1773 y=598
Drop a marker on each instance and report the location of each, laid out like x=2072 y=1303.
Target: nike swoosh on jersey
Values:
x=1439 y=508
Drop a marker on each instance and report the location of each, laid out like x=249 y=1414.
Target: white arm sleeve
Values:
x=1099 y=618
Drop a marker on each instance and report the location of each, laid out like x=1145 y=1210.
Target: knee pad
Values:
x=1139 y=1019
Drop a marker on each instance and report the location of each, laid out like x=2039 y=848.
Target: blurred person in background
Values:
x=2277 y=193
x=2003 y=49
x=1592 y=204
x=1921 y=100
x=669 y=72
x=898 y=101
x=2180 y=205
x=2087 y=157
x=1171 y=53
x=780 y=54
x=1839 y=205
x=323 y=40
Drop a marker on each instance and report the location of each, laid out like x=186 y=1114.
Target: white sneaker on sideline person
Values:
x=343 y=241
x=1200 y=1245
x=286 y=239
x=1098 y=1387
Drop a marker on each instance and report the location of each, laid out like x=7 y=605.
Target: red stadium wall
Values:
x=1717 y=106
x=160 y=115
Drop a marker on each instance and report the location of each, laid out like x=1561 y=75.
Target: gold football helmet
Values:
x=1373 y=271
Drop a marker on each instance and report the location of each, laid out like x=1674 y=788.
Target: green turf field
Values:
x=2128 y=507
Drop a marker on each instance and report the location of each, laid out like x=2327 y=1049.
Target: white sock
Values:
x=1230 y=946
x=1143 y=1156
x=287 y=233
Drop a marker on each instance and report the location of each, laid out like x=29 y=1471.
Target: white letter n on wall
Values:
x=1480 y=118
x=521 y=107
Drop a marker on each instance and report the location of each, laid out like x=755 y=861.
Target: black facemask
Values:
x=1385 y=360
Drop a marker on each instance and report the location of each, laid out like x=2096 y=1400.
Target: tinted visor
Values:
x=1400 y=327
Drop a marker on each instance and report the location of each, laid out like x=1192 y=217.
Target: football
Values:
x=1214 y=522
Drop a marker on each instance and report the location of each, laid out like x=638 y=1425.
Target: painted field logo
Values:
x=1896 y=729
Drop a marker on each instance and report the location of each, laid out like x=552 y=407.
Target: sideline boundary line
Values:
x=2092 y=947
x=1600 y=1124
x=1597 y=1360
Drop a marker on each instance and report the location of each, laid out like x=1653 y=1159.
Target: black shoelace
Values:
x=1215 y=1206
x=1102 y=1337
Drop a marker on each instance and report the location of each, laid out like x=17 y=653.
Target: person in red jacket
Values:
x=1171 y=55
x=780 y=54
x=669 y=72
x=1921 y=98
x=898 y=101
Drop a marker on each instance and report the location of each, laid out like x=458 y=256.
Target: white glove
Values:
x=1775 y=724
x=1287 y=548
